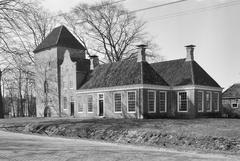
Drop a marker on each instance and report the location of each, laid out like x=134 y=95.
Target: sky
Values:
x=212 y=25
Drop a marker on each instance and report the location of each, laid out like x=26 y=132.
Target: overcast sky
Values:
x=212 y=25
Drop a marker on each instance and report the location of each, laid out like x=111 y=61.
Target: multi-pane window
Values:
x=208 y=102
x=163 y=101
x=80 y=105
x=118 y=102
x=131 y=101
x=200 y=101
x=234 y=105
x=65 y=103
x=182 y=102
x=151 y=101
x=71 y=99
x=90 y=103
x=215 y=99
x=70 y=84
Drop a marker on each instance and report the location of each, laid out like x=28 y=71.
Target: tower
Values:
x=48 y=58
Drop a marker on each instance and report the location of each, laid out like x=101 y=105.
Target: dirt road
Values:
x=22 y=147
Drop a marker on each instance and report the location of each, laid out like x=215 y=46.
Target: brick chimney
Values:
x=142 y=54
x=190 y=52
x=94 y=62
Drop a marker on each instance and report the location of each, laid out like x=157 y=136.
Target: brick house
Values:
x=231 y=97
x=127 y=89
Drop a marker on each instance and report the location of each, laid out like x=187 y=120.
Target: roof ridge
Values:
x=168 y=60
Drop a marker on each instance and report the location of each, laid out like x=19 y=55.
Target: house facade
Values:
x=231 y=97
x=127 y=89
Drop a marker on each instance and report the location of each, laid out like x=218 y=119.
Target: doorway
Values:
x=72 y=109
x=100 y=104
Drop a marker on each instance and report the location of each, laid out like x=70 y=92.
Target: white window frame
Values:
x=70 y=82
x=79 y=99
x=165 y=93
x=64 y=103
x=88 y=105
x=202 y=101
x=115 y=102
x=178 y=101
x=217 y=110
x=210 y=97
x=154 y=101
x=98 y=99
x=234 y=107
x=135 y=102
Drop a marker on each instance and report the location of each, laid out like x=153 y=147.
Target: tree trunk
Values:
x=1 y=99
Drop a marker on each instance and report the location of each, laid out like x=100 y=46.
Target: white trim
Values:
x=154 y=101
x=87 y=103
x=200 y=87
x=126 y=87
x=178 y=101
x=114 y=102
x=135 y=102
x=210 y=97
x=234 y=107
x=165 y=110
x=218 y=99
x=98 y=104
x=202 y=101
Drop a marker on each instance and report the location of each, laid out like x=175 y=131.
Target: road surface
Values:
x=22 y=147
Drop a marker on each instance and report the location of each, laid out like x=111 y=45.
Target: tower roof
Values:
x=60 y=36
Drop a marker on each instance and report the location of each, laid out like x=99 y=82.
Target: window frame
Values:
x=65 y=107
x=234 y=107
x=218 y=98
x=115 y=102
x=88 y=104
x=210 y=98
x=128 y=102
x=165 y=109
x=202 y=92
x=154 y=101
x=79 y=99
x=178 y=104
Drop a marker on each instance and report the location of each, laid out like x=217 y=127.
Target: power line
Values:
x=156 y=6
x=193 y=11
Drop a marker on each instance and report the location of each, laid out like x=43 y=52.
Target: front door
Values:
x=72 y=109
x=100 y=104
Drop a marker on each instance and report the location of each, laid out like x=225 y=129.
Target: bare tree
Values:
x=107 y=29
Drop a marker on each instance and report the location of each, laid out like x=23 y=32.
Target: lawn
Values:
x=195 y=134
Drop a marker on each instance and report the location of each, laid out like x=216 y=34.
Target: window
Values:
x=208 y=102
x=215 y=99
x=234 y=105
x=70 y=84
x=90 y=103
x=64 y=103
x=131 y=101
x=200 y=101
x=163 y=101
x=80 y=105
x=182 y=102
x=151 y=101
x=118 y=102
x=72 y=99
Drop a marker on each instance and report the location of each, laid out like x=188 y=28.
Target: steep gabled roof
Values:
x=127 y=72
x=60 y=36
x=232 y=92
x=180 y=72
